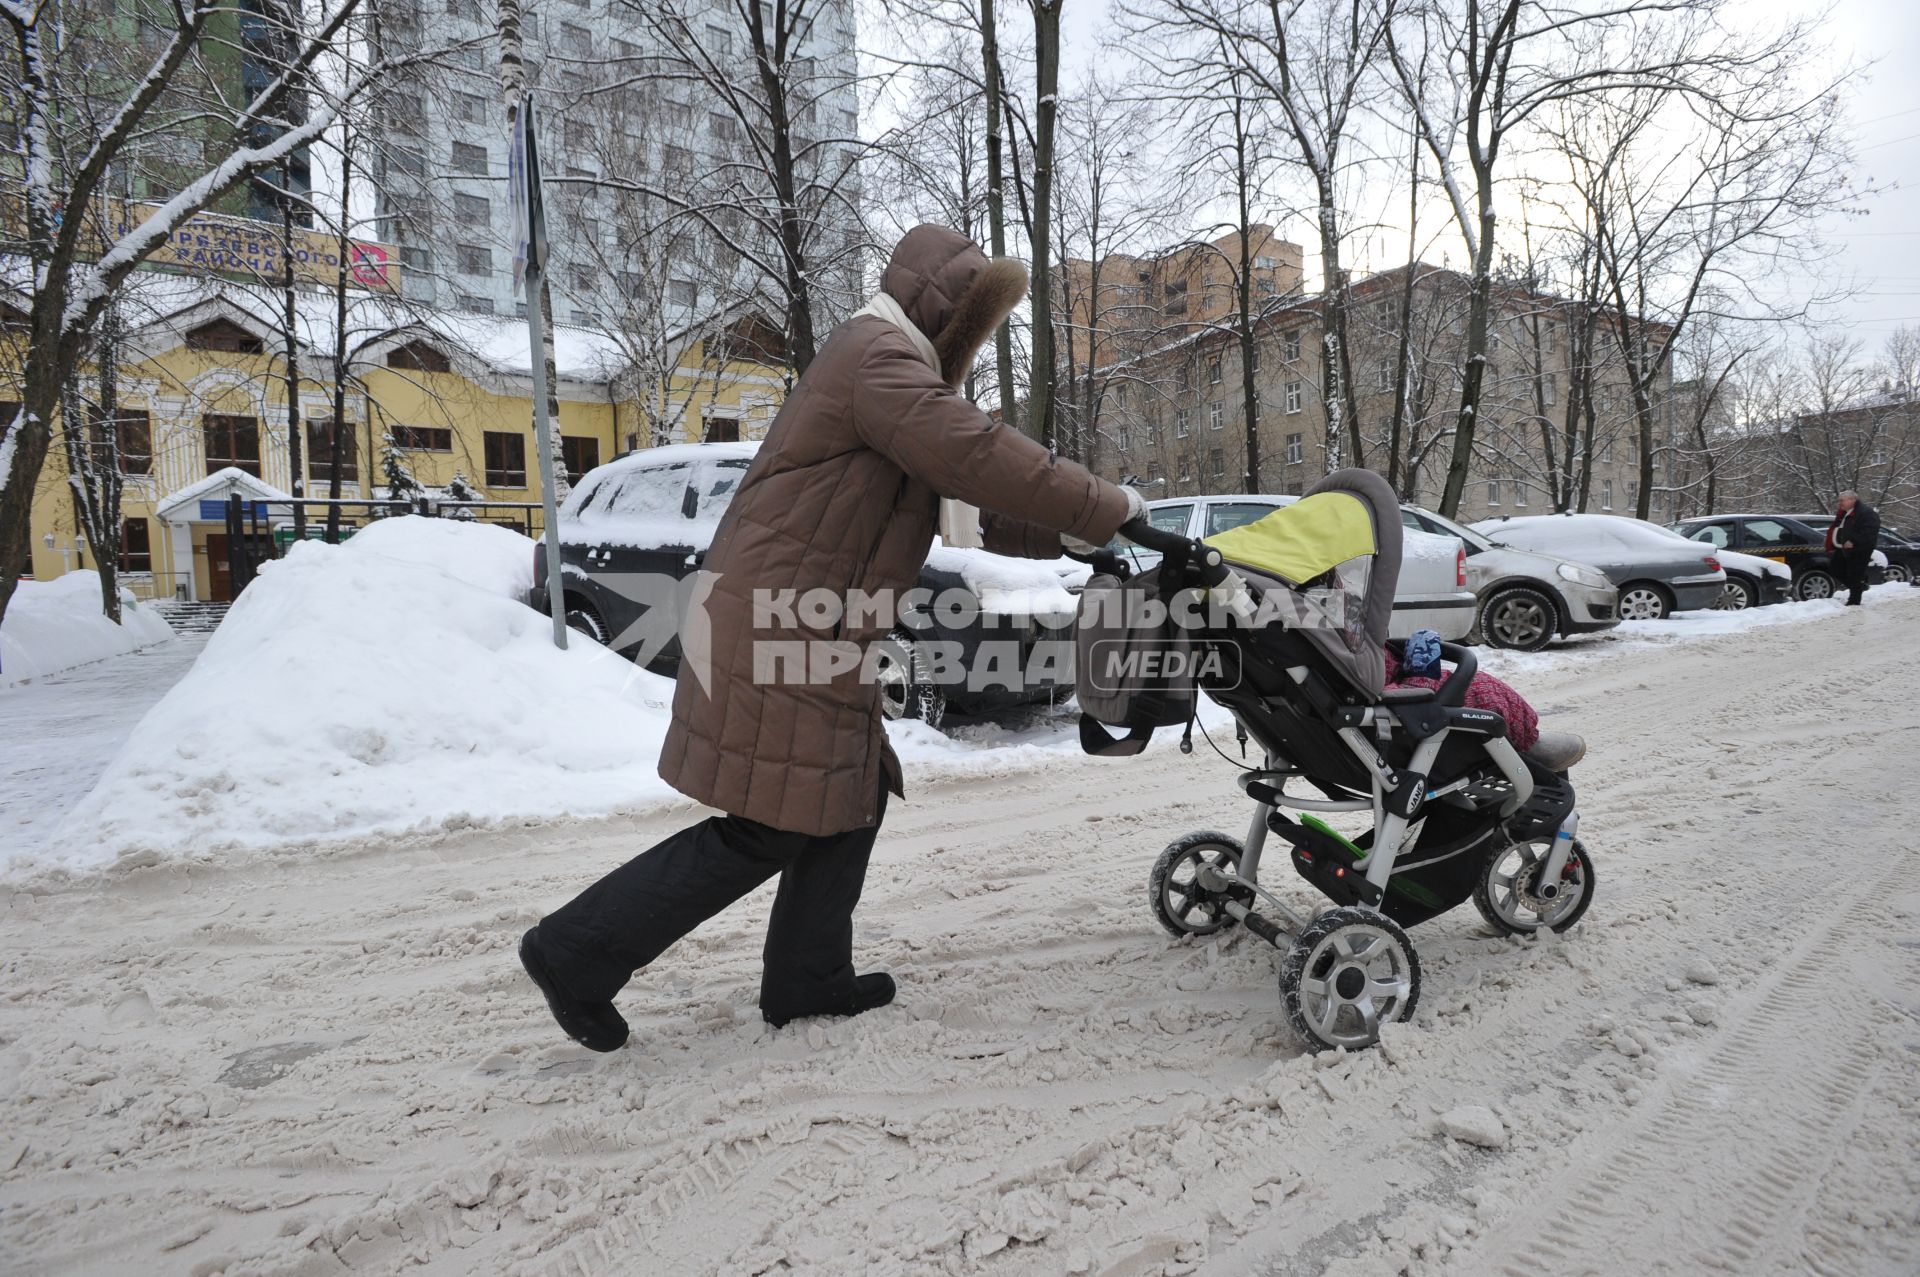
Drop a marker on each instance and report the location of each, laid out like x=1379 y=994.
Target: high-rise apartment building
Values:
x=653 y=180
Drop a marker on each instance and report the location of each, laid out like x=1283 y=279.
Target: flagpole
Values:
x=533 y=251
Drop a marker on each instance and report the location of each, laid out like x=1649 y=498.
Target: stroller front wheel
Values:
x=1348 y=972
x=1174 y=894
x=1508 y=896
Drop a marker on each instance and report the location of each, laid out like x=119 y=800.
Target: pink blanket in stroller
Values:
x=1485 y=692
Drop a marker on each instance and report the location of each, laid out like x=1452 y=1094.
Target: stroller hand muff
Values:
x=1283 y=622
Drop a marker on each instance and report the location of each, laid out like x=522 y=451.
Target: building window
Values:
x=474 y=302
x=721 y=429
x=1290 y=348
x=475 y=259
x=225 y=337
x=1216 y=415
x=132 y=438
x=471 y=210
x=418 y=356
x=1606 y=494
x=1519 y=491
x=422 y=438
x=136 y=546
x=1182 y=422
x=721 y=126
x=1293 y=396
x=231 y=441
x=1219 y=458
x=1120 y=439
x=581 y=453
x=320 y=452
x=682 y=292
x=506 y=459
x=1493 y=492
x=1213 y=371
x=1606 y=452
x=1550 y=389
x=1120 y=395
x=1296 y=449
x=471 y=108
x=470 y=159
x=1263 y=263
x=1383 y=373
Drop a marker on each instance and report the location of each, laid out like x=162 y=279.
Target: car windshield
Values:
x=640 y=490
x=1428 y=521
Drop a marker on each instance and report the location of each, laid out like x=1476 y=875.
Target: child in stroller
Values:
x=1283 y=621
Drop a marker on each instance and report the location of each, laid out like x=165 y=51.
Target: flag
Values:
x=525 y=209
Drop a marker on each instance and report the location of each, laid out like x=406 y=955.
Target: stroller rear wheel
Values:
x=1348 y=972
x=1507 y=892
x=1174 y=893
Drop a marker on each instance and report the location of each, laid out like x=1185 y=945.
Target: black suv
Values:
x=1781 y=537
x=639 y=526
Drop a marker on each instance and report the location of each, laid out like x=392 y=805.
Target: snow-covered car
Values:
x=648 y=518
x=1432 y=592
x=1525 y=597
x=1655 y=575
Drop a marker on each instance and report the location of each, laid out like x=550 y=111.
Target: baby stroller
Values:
x=1286 y=622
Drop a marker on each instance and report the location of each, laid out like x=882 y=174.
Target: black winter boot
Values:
x=594 y=1025
x=875 y=989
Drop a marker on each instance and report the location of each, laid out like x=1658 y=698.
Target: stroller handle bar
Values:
x=1213 y=569
x=1221 y=581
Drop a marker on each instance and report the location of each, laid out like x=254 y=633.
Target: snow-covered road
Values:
x=61 y=731
x=331 y=1061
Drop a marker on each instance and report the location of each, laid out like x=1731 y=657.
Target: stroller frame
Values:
x=1267 y=787
x=1453 y=802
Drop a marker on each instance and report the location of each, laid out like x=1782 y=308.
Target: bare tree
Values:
x=80 y=108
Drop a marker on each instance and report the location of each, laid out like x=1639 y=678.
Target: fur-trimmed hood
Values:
x=952 y=293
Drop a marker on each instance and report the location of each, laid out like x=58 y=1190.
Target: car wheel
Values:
x=1519 y=618
x=900 y=670
x=1737 y=595
x=1814 y=585
x=584 y=617
x=1898 y=573
x=1643 y=601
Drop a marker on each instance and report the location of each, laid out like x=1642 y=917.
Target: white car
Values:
x=1432 y=593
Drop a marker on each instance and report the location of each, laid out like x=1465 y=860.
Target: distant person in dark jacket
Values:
x=1853 y=536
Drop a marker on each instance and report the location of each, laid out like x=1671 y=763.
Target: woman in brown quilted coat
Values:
x=874 y=449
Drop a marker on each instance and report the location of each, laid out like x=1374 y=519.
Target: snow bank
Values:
x=392 y=684
x=55 y=625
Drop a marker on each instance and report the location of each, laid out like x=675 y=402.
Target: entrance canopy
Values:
x=206 y=501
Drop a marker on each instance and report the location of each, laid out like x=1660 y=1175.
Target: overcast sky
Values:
x=1878 y=251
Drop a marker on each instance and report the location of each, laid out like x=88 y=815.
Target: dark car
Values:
x=1782 y=537
x=1901 y=552
x=634 y=531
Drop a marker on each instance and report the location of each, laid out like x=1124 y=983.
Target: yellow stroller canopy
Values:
x=1301 y=541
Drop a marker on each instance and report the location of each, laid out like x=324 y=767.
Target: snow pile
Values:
x=55 y=625
x=391 y=684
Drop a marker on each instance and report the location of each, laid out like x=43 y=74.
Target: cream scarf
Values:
x=959 y=522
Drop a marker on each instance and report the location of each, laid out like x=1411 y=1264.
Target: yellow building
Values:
x=203 y=396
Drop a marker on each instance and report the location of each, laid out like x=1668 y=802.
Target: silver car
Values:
x=1526 y=598
x=1431 y=594
x=1656 y=575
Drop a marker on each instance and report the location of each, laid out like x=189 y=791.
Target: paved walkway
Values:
x=60 y=733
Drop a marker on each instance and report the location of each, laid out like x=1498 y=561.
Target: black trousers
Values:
x=1853 y=573
x=601 y=937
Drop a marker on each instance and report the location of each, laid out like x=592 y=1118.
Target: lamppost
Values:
x=66 y=552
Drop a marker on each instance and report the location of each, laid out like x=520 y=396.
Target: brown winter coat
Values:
x=843 y=495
